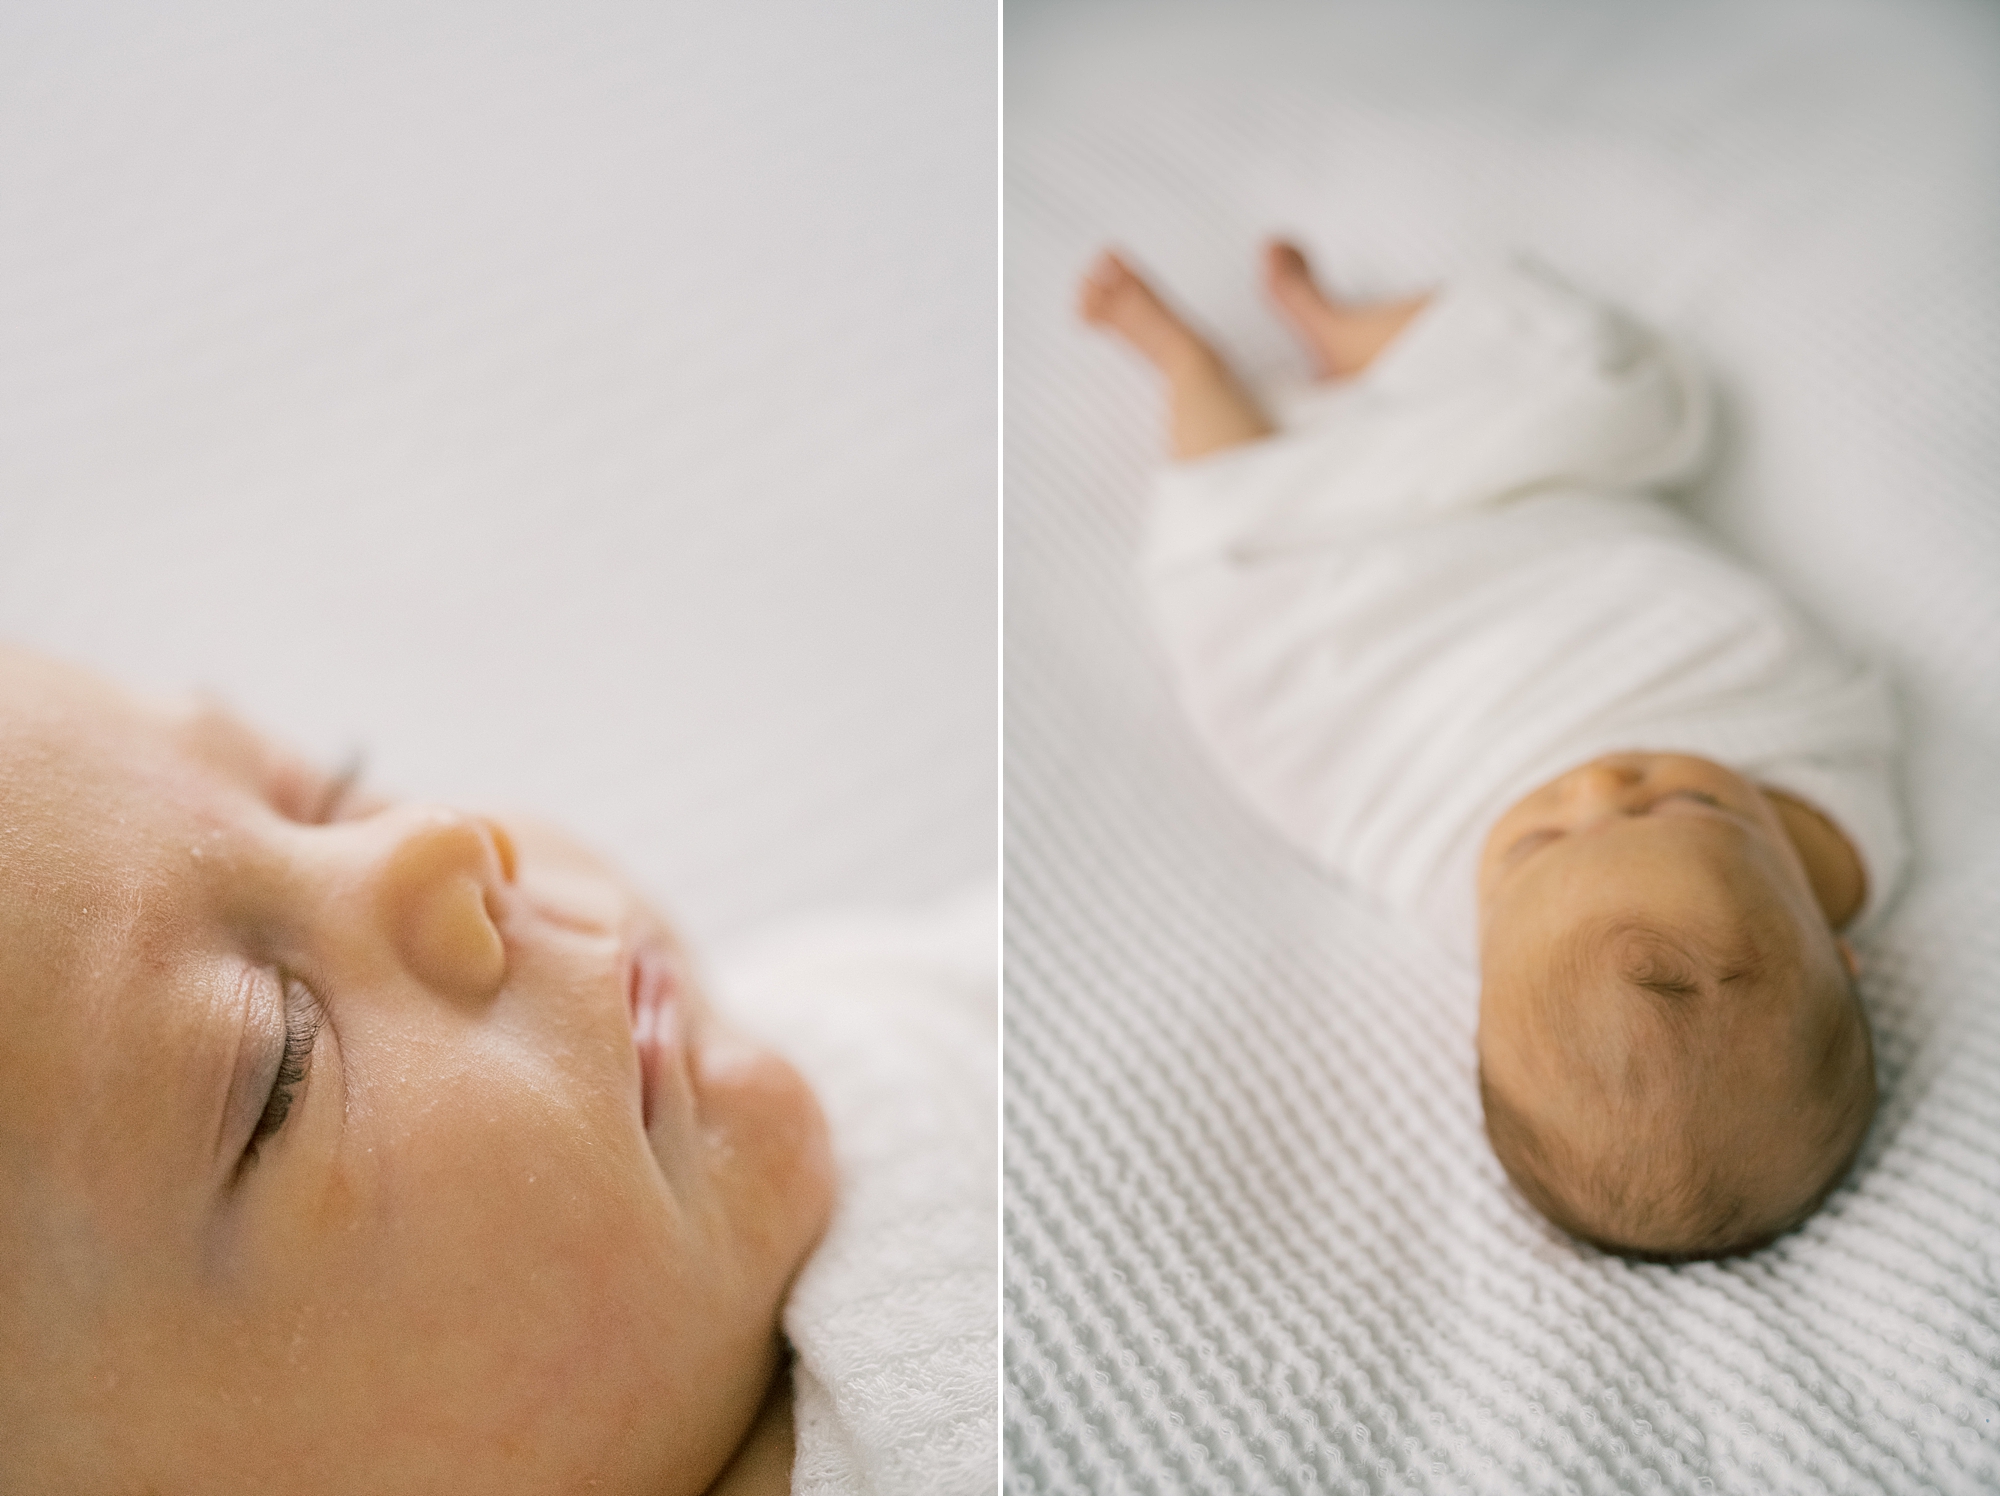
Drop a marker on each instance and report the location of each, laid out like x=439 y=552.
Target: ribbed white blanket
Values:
x=1254 y=1237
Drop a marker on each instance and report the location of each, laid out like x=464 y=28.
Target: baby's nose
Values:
x=435 y=897
x=1604 y=785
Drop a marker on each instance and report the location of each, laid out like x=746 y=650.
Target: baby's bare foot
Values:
x=1343 y=338
x=1115 y=298
x=1289 y=281
x=1207 y=410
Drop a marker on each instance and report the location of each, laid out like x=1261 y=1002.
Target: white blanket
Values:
x=895 y=1317
x=1254 y=1237
x=1446 y=583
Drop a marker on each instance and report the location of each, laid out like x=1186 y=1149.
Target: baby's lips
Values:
x=657 y=1034
x=661 y=1039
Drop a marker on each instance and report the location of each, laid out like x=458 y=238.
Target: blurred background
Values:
x=587 y=408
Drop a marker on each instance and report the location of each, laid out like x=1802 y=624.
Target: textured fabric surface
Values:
x=586 y=408
x=1254 y=1237
x=894 y=1319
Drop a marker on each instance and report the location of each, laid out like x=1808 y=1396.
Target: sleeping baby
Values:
x=347 y=1144
x=1440 y=632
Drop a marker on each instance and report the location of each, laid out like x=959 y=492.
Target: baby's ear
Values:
x=1847 y=956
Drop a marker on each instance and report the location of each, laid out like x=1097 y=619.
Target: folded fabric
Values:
x=894 y=1319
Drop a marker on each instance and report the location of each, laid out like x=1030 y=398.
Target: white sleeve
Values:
x=1857 y=796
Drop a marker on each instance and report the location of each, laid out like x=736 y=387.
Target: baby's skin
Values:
x=1672 y=1055
x=353 y=1145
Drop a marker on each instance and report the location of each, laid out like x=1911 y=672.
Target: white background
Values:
x=584 y=407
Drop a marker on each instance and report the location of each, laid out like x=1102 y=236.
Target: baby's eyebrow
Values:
x=300 y=787
x=1745 y=959
x=1739 y=948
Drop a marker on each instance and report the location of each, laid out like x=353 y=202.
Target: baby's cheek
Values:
x=770 y=1163
x=586 y=1323
x=506 y=1317
x=453 y=1248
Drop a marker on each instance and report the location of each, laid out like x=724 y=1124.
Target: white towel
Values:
x=895 y=1318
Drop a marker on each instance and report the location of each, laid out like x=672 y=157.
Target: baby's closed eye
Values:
x=312 y=796
x=1523 y=846
x=1653 y=961
x=1683 y=797
x=1668 y=982
x=304 y=1013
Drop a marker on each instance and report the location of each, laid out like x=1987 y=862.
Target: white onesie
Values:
x=1446 y=582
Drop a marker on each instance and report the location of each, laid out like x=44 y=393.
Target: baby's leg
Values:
x=1208 y=409
x=1344 y=338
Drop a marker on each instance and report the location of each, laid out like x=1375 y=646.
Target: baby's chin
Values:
x=763 y=1124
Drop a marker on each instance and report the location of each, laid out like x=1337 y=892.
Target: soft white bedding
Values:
x=1254 y=1237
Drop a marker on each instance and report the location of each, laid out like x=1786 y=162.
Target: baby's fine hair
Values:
x=1654 y=1184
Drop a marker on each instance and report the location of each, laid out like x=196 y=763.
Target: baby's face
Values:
x=1664 y=827
x=1662 y=871
x=327 y=1146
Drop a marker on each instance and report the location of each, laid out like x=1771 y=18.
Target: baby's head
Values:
x=1672 y=1057
x=351 y=1143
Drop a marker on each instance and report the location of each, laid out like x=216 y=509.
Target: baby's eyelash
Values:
x=1528 y=843
x=304 y=1013
x=1700 y=796
x=339 y=786
x=1669 y=985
